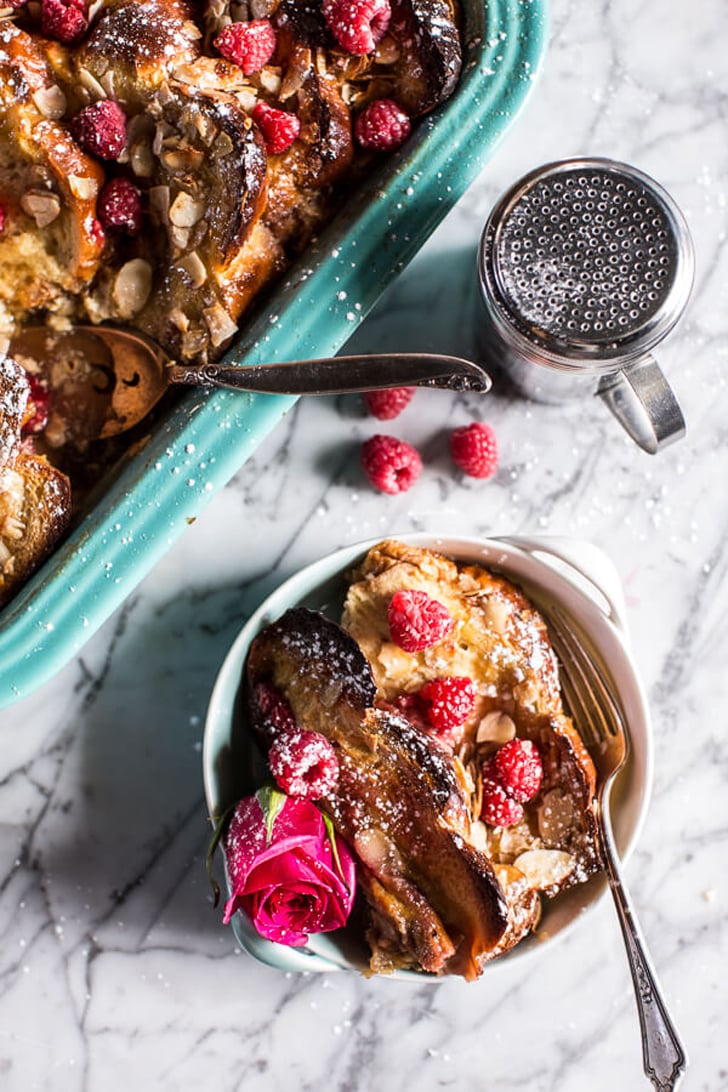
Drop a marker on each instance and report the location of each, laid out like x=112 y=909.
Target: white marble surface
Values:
x=115 y=971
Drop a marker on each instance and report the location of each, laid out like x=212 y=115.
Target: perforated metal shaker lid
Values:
x=587 y=262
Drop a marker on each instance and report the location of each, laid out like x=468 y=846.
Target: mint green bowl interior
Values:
x=313 y=312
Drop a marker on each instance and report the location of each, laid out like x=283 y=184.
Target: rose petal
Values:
x=292 y=884
x=298 y=823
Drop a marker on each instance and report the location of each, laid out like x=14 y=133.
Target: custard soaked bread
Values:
x=464 y=791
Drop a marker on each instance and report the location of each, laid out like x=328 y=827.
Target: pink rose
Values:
x=287 y=869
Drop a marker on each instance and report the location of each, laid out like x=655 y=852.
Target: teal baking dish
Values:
x=204 y=439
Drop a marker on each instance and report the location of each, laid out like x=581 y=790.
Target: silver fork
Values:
x=599 y=721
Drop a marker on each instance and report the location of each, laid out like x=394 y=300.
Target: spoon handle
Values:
x=340 y=374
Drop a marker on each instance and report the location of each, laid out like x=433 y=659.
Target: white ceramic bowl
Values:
x=573 y=574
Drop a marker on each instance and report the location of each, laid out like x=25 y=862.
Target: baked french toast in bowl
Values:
x=407 y=692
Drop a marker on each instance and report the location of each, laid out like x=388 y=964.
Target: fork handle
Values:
x=663 y=1055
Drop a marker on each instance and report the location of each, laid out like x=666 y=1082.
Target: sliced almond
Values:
x=141 y=159
x=496 y=613
x=85 y=189
x=545 y=868
x=132 y=287
x=496 y=727
x=556 y=817
x=270 y=79
x=219 y=323
x=182 y=159
x=92 y=85
x=180 y=237
x=44 y=208
x=194 y=267
x=247 y=98
x=186 y=210
x=479 y=836
x=50 y=101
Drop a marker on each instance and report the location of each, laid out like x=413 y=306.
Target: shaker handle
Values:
x=643 y=402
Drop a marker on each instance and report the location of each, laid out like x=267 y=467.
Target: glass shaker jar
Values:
x=585 y=265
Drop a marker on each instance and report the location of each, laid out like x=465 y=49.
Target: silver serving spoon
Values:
x=106 y=379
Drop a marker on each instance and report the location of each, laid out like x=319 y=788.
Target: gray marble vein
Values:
x=115 y=970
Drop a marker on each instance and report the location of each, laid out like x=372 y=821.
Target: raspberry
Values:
x=120 y=206
x=65 y=20
x=304 y=764
x=101 y=129
x=475 y=450
x=97 y=233
x=518 y=768
x=416 y=621
x=357 y=25
x=251 y=45
x=390 y=464
x=278 y=127
x=274 y=709
x=38 y=409
x=448 y=701
x=387 y=404
x=382 y=126
x=498 y=808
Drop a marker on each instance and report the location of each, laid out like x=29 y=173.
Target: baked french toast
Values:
x=449 y=881
x=163 y=161
x=221 y=204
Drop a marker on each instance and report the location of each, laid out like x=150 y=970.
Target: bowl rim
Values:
x=592 y=603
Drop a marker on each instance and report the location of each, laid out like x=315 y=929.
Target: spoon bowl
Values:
x=106 y=379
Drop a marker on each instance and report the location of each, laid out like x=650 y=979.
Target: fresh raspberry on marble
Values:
x=304 y=764
x=416 y=621
x=518 y=768
x=119 y=206
x=279 y=128
x=382 y=126
x=65 y=20
x=387 y=404
x=38 y=409
x=250 y=45
x=274 y=709
x=448 y=701
x=474 y=449
x=390 y=464
x=101 y=129
x=357 y=25
x=498 y=809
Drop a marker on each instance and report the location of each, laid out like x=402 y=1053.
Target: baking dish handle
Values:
x=588 y=562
